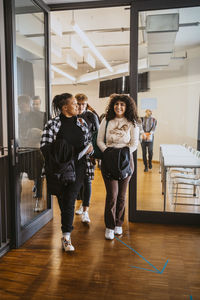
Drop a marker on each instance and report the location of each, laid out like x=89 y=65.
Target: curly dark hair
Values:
x=131 y=108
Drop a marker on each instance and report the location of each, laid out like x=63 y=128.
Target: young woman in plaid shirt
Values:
x=66 y=125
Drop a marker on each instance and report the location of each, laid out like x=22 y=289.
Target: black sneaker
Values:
x=146 y=169
x=150 y=165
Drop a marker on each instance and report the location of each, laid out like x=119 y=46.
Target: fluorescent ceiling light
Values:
x=89 y=77
x=91 y=60
x=76 y=46
x=71 y=61
x=57 y=51
x=118 y=69
x=56 y=26
x=87 y=41
x=59 y=71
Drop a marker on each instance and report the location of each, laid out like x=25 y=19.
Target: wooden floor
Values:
x=101 y=269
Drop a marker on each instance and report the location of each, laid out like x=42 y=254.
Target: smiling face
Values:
x=71 y=108
x=82 y=105
x=119 y=109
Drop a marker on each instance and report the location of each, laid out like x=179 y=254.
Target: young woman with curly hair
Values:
x=119 y=129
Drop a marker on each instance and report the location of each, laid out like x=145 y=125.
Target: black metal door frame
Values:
x=134 y=214
x=20 y=235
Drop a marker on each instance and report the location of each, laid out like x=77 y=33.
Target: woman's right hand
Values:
x=90 y=150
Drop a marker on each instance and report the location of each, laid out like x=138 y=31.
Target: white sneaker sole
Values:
x=84 y=221
x=109 y=238
x=78 y=212
x=69 y=250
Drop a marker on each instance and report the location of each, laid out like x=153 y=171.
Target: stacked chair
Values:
x=185 y=178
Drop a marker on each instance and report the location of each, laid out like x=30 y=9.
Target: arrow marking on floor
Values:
x=155 y=269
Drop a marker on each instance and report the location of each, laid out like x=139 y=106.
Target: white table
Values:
x=175 y=156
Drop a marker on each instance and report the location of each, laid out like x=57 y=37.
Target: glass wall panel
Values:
x=30 y=108
x=168 y=104
x=78 y=68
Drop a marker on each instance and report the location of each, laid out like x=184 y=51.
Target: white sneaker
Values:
x=38 y=205
x=85 y=217
x=79 y=211
x=118 y=230
x=67 y=245
x=109 y=234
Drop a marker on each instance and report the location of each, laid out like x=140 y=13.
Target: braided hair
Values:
x=59 y=101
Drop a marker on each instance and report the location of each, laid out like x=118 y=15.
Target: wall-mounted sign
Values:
x=148 y=103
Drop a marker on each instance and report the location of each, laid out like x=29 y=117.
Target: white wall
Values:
x=39 y=77
x=177 y=93
x=91 y=90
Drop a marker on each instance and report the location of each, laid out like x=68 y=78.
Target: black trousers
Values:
x=67 y=199
x=86 y=191
x=145 y=146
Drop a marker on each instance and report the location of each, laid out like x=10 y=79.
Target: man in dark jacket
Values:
x=148 y=127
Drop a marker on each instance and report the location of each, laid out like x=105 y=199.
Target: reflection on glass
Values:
x=168 y=159
x=30 y=103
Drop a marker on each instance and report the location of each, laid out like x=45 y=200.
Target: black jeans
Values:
x=145 y=146
x=67 y=199
x=38 y=183
x=86 y=191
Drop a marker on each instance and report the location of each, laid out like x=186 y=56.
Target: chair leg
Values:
x=195 y=191
x=176 y=193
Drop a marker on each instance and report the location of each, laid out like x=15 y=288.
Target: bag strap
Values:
x=105 y=131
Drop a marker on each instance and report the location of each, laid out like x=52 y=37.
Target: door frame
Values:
x=21 y=234
x=136 y=6
x=134 y=214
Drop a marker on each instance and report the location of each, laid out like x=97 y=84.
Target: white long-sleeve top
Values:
x=119 y=133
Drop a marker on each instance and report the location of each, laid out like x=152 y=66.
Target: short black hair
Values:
x=36 y=98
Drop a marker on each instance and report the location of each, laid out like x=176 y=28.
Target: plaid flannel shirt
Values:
x=51 y=130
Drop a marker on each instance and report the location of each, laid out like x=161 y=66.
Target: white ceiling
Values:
x=109 y=30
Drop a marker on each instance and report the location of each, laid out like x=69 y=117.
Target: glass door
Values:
x=29 y=110
x=5 y=209
x=168 y=159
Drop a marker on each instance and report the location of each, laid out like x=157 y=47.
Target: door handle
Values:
x=12 y=145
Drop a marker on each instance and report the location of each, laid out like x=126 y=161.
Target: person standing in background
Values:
x=93 y=125
x=36 y=123
x=148 y=126
x=24 y=106
x=37 y=117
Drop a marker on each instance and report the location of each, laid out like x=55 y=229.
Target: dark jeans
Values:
x=38 y=183
x=115 y=199
x=67 y=199
x=86 y=191
x=145 y=146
